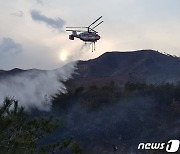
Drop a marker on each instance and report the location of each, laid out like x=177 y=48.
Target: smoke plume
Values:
x=33 y=89
x=79 y=51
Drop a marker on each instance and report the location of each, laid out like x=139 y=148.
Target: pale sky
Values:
x=32 y=32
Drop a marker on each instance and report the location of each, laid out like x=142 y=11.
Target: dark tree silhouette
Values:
x=19 y=133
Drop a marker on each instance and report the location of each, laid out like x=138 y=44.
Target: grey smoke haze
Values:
x=56 y=23
x=34 y=89
x=125 y=123
x=9 y=47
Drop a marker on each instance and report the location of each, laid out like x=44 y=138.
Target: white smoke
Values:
x=33 y=89
x=79 y=51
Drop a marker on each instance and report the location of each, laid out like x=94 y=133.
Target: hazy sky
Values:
x=32 y=32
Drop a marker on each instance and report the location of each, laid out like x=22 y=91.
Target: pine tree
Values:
x=19 y=133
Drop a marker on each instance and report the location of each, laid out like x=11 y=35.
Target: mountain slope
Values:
x=122 y=63
x=17 y=72
x=136 y=66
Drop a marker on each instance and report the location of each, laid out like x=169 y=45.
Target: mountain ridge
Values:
x=121 y=67
x=128 y=61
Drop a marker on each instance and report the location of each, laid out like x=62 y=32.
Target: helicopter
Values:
x=89 y=35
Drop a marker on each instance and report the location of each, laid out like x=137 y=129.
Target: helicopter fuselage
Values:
x=85 y=36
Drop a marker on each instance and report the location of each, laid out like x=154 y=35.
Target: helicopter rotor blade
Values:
x=95 y=21
x=98 y=24
x=75 y=30
x=76 y=27
x=93 y=30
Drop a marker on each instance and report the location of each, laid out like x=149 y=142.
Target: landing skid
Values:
x=93 y=46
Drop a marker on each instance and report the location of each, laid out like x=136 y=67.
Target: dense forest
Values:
x=20 y=132
x=100 y=117
x=94 y=119
x=166 y=95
